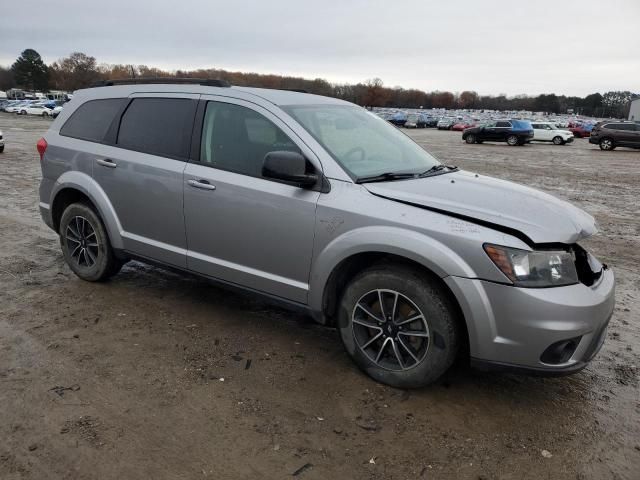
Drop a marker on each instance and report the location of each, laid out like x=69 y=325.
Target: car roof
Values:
x=276 y=97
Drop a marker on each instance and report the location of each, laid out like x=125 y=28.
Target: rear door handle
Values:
x=107 y=163
x=202 y=184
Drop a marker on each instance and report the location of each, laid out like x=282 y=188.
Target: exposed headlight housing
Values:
x=534 y=269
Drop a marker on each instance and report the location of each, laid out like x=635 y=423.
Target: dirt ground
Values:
x=157 y=375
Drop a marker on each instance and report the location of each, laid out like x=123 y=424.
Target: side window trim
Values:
x=112 y=133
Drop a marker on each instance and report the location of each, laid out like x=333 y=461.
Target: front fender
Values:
x=422 y=249
x=84 y=183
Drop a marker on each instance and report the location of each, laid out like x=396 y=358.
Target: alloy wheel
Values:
x=606 y=144
x=82 y=242
x=390 y=330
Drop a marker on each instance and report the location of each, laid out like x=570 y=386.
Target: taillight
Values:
x=42 y=147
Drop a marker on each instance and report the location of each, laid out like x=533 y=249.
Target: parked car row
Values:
x=43 y=108
x=608 y=135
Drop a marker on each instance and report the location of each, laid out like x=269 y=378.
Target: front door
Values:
x=243 y=228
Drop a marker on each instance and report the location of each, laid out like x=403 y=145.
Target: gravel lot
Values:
x=157 y=375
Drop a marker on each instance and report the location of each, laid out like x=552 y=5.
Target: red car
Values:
x=460 y=126
x=580 y=131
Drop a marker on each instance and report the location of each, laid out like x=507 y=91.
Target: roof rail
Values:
x=209 y=82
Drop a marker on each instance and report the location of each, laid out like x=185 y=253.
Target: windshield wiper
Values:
x=438 y=170
x=385 y=177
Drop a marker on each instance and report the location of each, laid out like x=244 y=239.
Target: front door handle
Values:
x=202 y=184
x=107 y=163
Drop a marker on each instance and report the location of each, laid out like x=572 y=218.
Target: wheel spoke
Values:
x=384 y=344
x=73 y=232
x=384 y=316
x=77 y=249
x=372 y=339
x=397 y=354
x=90 y=255
x=366 y=310
x=72 y=240
x=395 y=305
x=407 y=349
x=412 y=333
x=411 y=319
x=92 y=234
x=365 y=323
x=94 y=245
x=79 y=227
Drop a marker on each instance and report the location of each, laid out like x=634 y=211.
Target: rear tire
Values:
x=85 y=244
x=558 y=140
x=386 y=343
x=471 y=138
x=607 y=144
x=512 y=140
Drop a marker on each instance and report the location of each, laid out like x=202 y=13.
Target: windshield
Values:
x=362 y=143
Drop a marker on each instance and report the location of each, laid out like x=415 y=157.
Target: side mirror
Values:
x=288 y=166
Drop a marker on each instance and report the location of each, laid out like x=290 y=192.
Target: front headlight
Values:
x=539 y=268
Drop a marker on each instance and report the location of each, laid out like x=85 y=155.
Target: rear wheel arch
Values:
x=63 y=199
x=76 y=184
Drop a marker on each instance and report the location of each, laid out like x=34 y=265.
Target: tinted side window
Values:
x=92 y=119
x=622 y=126
x=236 y=138
x=503 y=124
x=158 y=126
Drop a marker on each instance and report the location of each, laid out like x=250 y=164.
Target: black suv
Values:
x=610 y=135
x=514 y=132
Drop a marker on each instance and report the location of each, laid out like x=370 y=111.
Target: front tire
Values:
x=607 y=144
x=85 y=244
x=512 y=140
x=399 y=326
x=471 y=138
x=558 y=140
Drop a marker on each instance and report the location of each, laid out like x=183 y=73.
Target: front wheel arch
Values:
x=351 y=266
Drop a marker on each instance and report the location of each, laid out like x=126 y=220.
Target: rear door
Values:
x=625 y=133
x=142 y=170
x=243 y=228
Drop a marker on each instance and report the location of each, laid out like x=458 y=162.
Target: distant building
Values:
x=634 y=110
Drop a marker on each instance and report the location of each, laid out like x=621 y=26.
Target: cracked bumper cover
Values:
x=510 y=327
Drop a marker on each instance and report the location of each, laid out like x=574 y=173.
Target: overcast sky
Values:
x=512 y=47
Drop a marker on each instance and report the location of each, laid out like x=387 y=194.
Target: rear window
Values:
x=158 y=126
x=92 y=119
x=521 y=124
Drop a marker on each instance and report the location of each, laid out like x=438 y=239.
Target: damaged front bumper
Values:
x=551 y=331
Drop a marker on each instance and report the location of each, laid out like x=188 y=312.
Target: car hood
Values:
x=540 y=217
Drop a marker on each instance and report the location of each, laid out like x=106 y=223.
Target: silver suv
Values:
x=321 y=204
